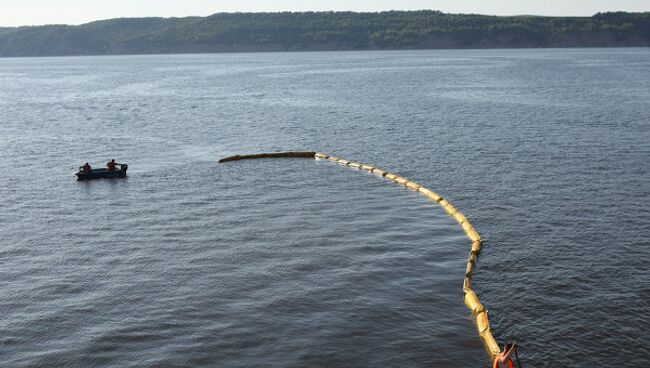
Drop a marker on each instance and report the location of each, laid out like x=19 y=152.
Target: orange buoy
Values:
x=499 y=364
x=503 y=358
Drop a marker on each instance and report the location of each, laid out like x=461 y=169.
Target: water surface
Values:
x=294 y=263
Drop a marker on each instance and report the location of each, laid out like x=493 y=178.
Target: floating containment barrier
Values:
x=460 y=218
x=270 y=155
x=413 y=186
x=430 y=194
x=482 y=323
x=355 y=165
x=467 y=283
x=470 y=299
x=490 y=344
x=451 y=210
x=321 y=156
x=379 y=172
x=469 y=269
x=473 y=236
x=476 y=247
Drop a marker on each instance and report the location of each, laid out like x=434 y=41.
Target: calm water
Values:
x=302 y=263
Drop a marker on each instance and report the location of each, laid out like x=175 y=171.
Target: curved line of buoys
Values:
x=479 y=312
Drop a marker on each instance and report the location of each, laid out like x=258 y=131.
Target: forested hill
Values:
x=228 y=32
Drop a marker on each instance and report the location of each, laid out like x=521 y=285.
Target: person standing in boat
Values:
x=86 y=167
x=111 y=165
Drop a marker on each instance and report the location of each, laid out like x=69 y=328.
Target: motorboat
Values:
x=105 y=173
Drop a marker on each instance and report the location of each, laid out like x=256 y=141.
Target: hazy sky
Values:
x=30 y=12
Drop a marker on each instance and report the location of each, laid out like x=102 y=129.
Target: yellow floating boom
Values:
x=471 y=300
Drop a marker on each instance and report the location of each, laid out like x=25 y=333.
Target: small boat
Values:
x=102 y=173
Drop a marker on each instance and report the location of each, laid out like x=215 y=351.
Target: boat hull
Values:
x=101 y=174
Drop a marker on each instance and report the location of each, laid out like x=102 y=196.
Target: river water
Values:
x=302 y=263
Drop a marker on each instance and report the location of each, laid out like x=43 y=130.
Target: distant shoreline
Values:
x=324 y=31
x=324 y=51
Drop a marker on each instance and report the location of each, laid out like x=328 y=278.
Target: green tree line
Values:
x=289 y=31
